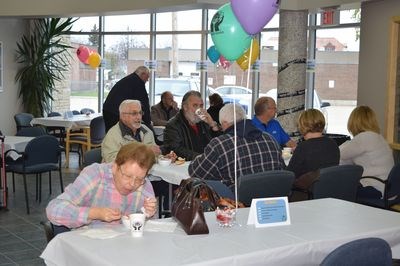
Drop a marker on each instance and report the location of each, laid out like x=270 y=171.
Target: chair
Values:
x=23 y=120
x=91 y=137
x=31 y=132
x=221 y=189
x=365 y=252
x=58 y=132
x=87 y=110
x=391 y=194
x=52 y=230
x=338 y=138
x=92 y=156
x=340 y=182
x=42 y=154
x=275 y=183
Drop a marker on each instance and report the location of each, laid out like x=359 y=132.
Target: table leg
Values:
x=67 y=145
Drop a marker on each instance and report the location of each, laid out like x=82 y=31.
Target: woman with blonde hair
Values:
x=367 y=148
x=316 y=151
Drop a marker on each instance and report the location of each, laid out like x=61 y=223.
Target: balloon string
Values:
x=235 y=155
x=248 y=68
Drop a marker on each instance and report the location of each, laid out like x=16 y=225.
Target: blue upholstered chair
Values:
x=365 y=252
x=391 y=194
x=276 y=183
x=340 y=182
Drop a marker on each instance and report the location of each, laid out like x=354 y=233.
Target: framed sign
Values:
x=1 y=66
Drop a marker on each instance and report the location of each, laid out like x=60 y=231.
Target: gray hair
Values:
x=142 y=69
x=125 y=103
x=188 y=94
x=226 y=113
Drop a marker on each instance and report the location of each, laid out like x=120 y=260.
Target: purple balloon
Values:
x=253 y=15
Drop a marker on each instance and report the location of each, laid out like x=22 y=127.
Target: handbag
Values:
x=193 y=197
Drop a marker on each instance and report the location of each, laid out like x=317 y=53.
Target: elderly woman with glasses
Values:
x=103 y=193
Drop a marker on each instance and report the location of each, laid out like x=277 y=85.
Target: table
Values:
x=17 y=143
x=173 y=174
x=74 y=122
x=318 y=227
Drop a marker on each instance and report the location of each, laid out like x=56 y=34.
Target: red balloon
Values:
x=223 y=62
x=83 y=53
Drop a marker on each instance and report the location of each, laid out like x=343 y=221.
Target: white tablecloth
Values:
x=17 y=143
x=318 y=227
x=172 y=174
x=75 y=121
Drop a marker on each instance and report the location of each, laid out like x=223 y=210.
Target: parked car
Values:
x=179 y=86
x=244 y=95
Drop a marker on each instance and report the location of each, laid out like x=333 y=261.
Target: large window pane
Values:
x=336 y=74
x=181 y=20
x=176 y=64
x=127 y=23
x=86 y=24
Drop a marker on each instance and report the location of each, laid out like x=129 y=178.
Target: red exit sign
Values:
x=330 y=17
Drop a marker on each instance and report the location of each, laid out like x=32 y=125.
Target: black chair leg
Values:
x=37 y=187
x=61 y=181
x=40 y=187
x=50 y=182
x=26 y=194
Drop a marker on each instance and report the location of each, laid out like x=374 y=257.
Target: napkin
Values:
x=101 y=233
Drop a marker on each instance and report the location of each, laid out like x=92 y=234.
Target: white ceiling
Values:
x=29 y=8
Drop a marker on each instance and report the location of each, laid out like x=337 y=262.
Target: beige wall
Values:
x=11 y=31
x=372 y=73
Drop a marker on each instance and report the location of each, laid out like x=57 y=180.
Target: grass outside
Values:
x=87 y=93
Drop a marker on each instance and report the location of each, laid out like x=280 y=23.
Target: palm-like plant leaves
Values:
x=45 y=59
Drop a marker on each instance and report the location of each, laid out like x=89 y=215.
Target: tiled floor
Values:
x=22 y=238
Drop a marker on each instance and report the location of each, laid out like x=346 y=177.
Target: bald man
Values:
x=164 y=110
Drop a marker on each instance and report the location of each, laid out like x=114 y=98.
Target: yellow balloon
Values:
x=251 y=53
x=94 y=59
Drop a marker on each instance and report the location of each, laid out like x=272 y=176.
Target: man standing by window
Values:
x=130 y=87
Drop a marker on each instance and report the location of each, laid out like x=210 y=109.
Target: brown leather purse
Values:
x=193 y=197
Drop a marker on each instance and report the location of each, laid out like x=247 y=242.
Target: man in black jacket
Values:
x=187 y=133
x=130 y=87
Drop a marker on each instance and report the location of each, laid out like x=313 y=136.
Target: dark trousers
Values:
x=110 y=119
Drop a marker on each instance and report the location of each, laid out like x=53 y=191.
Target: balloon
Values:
x=94 y=60
x=83 y=53
x=223 y=62
x=228 y=36
x=251 y=53
x=253 y=15
x=213 y=54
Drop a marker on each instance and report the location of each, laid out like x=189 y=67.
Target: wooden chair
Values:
x=90 y=137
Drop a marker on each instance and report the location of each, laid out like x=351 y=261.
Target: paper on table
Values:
x=164 y=225
x=101 y=233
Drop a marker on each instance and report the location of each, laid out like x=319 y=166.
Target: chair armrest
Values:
x=13 y=150
x=374 y=178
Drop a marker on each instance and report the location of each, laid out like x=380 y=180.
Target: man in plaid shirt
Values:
x=257 y=151
x=102 y=193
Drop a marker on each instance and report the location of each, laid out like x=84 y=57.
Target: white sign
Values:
x=267 y=212
x=151 y=64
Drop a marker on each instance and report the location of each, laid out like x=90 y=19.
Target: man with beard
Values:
x=191 y=129
x=128 y=129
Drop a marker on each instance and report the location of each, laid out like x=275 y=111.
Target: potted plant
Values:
x=45 y=58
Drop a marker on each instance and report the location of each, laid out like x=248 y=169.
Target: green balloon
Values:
x=230 y=39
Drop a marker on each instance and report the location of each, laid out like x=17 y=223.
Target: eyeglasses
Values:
x=133 y=113
x=132 y=179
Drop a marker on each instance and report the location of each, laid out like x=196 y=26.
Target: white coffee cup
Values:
x=199 y=112
x=136 y=222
